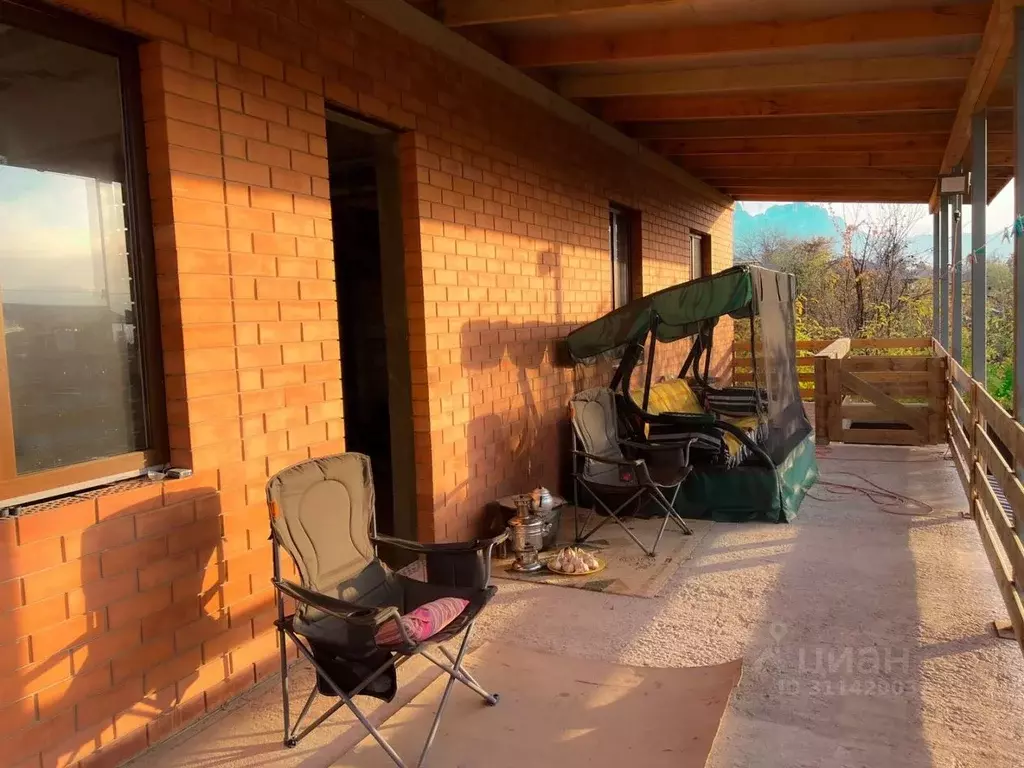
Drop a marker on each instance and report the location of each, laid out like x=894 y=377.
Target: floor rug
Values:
x=629 y=570
x=562 y=711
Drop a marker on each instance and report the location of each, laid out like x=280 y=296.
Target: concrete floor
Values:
x=865 y=633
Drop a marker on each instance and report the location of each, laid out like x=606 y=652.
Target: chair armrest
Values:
x=357 y=614
x=452 y=548
x=697 y=419
x=606 y=460
x=676 y=446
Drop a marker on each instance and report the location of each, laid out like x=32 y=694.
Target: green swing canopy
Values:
x=681 y=311
x=772 y=483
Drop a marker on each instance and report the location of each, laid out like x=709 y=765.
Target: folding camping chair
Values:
x=322 y=514
x=608 y=475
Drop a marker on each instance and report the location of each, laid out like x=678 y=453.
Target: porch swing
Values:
x=750 y=449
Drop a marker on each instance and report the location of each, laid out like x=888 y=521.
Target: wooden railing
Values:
x=987 y=446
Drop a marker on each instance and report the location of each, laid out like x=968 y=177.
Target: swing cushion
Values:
x=671 y=396
x=423 y=622
x=676 y=396
x=749 y=424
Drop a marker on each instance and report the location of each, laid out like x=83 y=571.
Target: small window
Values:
x=700 y=258
x=76 y=296
x=621 y=245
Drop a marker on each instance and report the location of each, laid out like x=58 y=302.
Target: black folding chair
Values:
x=604 y=470
x=322 y=514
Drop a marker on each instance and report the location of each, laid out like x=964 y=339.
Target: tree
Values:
x=868 y=281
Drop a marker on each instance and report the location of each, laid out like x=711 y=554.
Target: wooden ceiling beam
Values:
x=982 y=83
x=463 y=13
x=789 y=144
x=826 y=196
x=713 y=164
x=919 y=188
x=966 y=19
x=914 y=123
x=765 y=77
x=930 y=142
x=922 y=174
x=842 y=101
x=900 y=123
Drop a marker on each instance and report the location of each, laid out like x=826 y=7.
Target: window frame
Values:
x=629 y=220
x=57 y=24
x=703 y=254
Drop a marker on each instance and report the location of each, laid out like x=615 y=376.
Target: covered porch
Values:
x=884 y=658
x=545 y=161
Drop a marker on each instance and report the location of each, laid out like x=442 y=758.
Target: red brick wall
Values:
x=126 y=613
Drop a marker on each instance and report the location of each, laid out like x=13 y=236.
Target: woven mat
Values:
x=559 y=711
x=629 y=571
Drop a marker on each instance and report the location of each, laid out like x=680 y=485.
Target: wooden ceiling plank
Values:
x=825 y=197
x=784 y=145
x=790 y=144
x=982 y=83
x=914 y=123
x=708 y=164
x=464 y=13
x=819 y=74
x=843 y=101
x=922 y=175
x=695 y=41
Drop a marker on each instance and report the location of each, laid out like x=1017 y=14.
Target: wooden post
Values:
x=821 y=436
x=833 y=368
x=937 y=400
x=830 y=360
x=979 y=283
x=975 y=458
x=944 y=212
x=1018 y=207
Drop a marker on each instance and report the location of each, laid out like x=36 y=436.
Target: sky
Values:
x=999 y=213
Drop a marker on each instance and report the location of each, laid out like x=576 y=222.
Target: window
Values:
x=78 y=376
x=620 y=228
x=700 y=256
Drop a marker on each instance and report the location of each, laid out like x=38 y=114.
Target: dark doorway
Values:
x=368 y=258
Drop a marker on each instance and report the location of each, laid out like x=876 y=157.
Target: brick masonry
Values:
x=128 y=612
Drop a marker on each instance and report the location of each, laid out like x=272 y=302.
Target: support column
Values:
x=979 y=280
x=935 y=271
x=957 y=280
x=1018 y=211
x=944 y=270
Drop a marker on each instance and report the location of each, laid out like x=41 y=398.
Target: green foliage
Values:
x=1001 y=385
x=868 y=283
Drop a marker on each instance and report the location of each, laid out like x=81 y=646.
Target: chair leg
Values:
x=614 y=515
x=463 y=676
x=661 y=532
x=290 y=740
x=456 y=667
x=670 y=508
x=347 y=701
x=284 y=685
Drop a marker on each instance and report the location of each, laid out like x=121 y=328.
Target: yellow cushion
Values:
x=746 y=423
x=672 y=396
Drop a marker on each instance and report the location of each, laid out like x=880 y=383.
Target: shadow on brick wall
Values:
x=133 y=632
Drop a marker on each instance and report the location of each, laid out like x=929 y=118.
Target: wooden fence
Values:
x=879 y=391
x=987 y=446
x=742 y=364
x=743 y=371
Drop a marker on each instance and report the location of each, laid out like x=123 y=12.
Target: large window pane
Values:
x=69 y=323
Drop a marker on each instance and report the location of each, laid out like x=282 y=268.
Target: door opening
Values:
x=368 y=259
